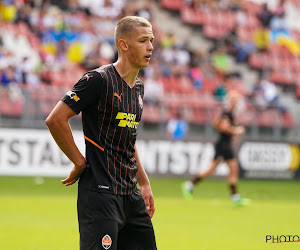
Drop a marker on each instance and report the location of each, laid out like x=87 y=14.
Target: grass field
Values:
x=43 y=216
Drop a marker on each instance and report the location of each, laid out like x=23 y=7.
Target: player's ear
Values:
x=123 y=44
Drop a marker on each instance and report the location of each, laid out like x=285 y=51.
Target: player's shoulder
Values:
x=104 y=70
x=91 y=76
x=96 y=75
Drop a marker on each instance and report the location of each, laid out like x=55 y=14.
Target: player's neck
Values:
x=126 y=71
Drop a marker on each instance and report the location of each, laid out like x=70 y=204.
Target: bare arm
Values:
x=59 y=127
x=144 y=185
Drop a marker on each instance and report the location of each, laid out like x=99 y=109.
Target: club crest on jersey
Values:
x=73 y=95
x=106 y=241
x=141 y=101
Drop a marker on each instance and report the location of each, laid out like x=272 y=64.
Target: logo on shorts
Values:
x=106 y=242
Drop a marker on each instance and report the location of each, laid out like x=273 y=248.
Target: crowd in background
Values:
x=45 y=42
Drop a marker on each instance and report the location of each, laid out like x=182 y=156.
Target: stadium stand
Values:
x=49 y=46
x=243 y=21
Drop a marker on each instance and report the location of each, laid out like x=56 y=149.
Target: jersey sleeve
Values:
x=85 y=92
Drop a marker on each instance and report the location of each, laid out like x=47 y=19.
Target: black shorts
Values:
x=114 y=222
x=224 y=150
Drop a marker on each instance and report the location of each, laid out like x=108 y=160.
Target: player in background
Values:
x=227 y=129
x=113 y=213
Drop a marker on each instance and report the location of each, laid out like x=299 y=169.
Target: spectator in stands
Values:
x=185 y=84
x=61 y=51
x=146 y=10
x=280 y=8
x=153 y=91
x=168 y=56
x=197 y=77
x=241 y=17
x=23 y=14
x=257 y=96
x=205 y=4
x=265 y=95
x=233 y=5
x=45 y=74
x=262 y=38
x=220 y=92
x=242 y=49
x=9 y=83
x=25 y=68
x=7 y=59
x=177 y=127
x=279 y=25
x=202 y=59
x=270 y=93
x=197 y=57
x=221 y=60
x=265 y=15
x=181 y=59
x=195 y=4
x=91 y=60
x=104 y=8
x=8 y=10
x=168 y=41
x=181 y=55
x=153 y=70
x=8 y=77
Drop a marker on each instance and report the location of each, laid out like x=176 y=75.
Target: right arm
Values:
x=58 y=124
x=84 y=93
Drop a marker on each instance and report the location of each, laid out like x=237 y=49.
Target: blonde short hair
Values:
x=127 y=24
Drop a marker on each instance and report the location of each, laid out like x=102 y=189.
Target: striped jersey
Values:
x=111 y=112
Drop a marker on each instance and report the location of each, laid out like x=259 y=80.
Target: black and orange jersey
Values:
x=224 y=137
x=111 y=112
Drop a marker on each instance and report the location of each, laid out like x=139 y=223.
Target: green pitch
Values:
x=40 y=214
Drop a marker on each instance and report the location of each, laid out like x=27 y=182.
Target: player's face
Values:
x=140 y=47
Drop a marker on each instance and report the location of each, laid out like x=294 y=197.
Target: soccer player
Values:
x=113 y=213
x=227 y=128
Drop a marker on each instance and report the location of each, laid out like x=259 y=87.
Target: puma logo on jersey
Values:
x=118 y=96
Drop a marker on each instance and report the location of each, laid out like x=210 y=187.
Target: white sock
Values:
x=189 y=185
x=235 y=197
